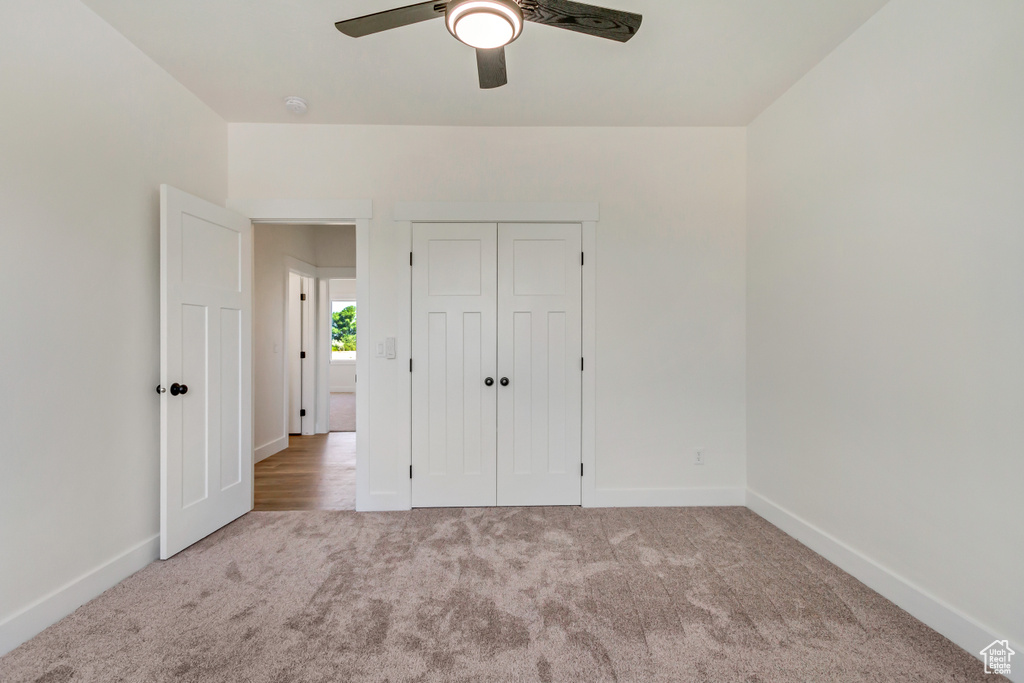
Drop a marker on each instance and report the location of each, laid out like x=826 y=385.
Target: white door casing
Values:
x=206 y=345
x=454 y=283
x=540 y=353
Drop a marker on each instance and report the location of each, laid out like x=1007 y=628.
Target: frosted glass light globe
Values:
x=484 y=24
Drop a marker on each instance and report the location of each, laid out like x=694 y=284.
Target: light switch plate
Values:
x=380 y=349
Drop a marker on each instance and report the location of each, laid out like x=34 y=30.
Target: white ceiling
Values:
x=693 y=62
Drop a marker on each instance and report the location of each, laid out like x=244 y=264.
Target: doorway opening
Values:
x=303 y=461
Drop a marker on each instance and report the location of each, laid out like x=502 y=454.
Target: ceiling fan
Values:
x=490 y=25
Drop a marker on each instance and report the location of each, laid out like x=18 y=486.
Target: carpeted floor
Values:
x=482 y=595
x=343 y=412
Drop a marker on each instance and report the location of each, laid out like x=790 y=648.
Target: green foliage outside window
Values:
x=343 y=332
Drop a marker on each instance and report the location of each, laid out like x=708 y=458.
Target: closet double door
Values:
x=496 y=364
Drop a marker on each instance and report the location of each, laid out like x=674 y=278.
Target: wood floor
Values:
x=313 y=473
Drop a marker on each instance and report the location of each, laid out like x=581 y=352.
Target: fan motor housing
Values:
x=458 y=11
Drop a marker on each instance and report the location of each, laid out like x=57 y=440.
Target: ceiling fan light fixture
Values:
x=484 y=24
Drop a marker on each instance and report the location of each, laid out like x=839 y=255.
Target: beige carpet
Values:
x=343 y=412
x=482 y=595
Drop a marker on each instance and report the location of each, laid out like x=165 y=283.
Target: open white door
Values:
x=205 y=368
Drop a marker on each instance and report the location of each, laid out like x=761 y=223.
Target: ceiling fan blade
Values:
x=575 y=16
x=490 y=64
x=392 y=18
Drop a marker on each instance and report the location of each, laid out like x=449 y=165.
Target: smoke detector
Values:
x=296 y=105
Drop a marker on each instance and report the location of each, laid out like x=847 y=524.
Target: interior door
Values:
x=294 y=349
x=540 y=342
x=453 y=356
x=205 y=368
x=308 y=355
x=301 y=355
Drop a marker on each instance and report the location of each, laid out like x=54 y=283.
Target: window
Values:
x=343 y=331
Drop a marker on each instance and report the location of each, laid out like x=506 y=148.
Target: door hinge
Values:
x=581 y=365
x=410 y=365
x=581 y=469
x=302 y=297
x=302 y=354
x=302 y=413
x=410 y=471
x=410 y=258
x=582 y=258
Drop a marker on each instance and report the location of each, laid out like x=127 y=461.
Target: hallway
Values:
x=313 y=473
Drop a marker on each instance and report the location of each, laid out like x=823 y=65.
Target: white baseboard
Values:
x=639 y=498
x=382 y=502
x=947 y=620
x=51 y=608
x=346 y=389
x=270 y=448
x=605 y=498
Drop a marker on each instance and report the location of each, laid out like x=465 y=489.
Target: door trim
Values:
x=497 y=212
x=587 y=215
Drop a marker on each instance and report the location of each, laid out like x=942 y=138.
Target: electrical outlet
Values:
x=699 y=460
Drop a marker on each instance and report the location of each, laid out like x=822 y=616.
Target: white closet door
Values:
x=454 y=282
x=539 y=353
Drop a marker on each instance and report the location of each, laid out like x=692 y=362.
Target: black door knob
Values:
x=178 y=389
x=489 y=381
x=504 y=381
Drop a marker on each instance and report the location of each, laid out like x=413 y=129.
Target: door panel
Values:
x=453 y=352
x=231 y=371
x=539 y=351
x=206 y=345
x=195 y=462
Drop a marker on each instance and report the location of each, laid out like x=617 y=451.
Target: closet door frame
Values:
x=585 y=214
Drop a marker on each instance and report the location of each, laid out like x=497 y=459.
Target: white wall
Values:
x=343 y=289
x=886 y=320
x=335 y=245
x=90 y=129
x=343 y=373
x=324 y=246
x=670 y=277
